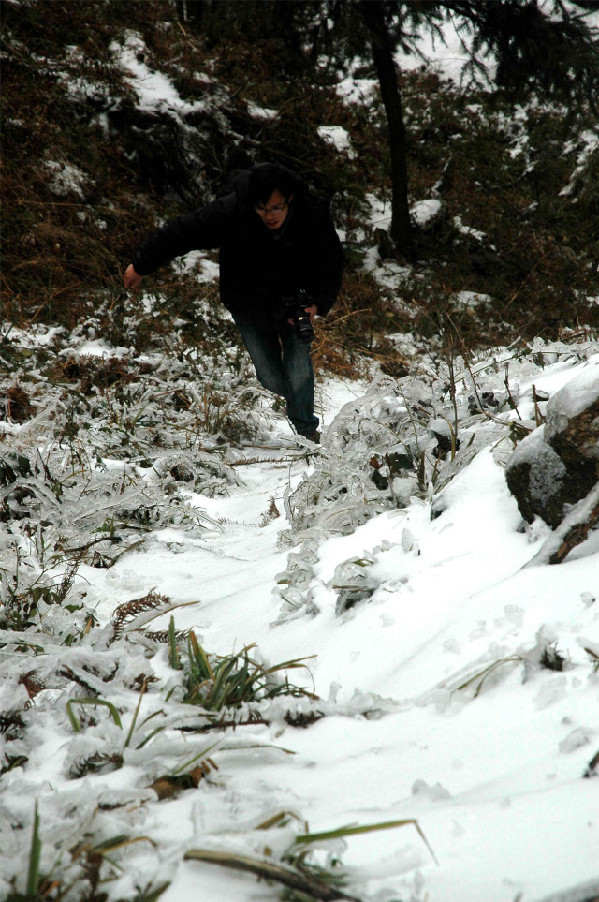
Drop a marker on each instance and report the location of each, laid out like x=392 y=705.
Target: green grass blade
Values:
x=206 y=751
x=359 y=829
x=34 y=857
x=76 y=724
x=200 y=657
x=218 y=693
x=173 y=652
x=152 y=893
x=144 y=686
x=150 y=736
x=119 y=842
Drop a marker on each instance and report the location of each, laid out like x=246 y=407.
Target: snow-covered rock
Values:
x=555 y=466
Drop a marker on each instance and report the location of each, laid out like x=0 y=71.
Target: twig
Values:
x=506 y=382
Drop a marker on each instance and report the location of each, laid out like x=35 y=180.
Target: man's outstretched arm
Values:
x=131 y=279
x=205 y=228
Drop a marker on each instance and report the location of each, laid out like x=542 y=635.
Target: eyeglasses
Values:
x=276 y=208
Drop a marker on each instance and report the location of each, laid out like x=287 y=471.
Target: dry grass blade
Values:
x=120 y=842
x=593 y=656
x=482 y=675
x=268 y=870
x=281 y=819
x=173 y=652
x=142 y=692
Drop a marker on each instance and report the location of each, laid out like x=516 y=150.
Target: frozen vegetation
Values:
x=447 y=692
x=351 y=672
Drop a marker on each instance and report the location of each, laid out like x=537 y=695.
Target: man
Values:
x=277 y=248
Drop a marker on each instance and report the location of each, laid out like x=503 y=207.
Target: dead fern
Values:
x=99 y=762
x=552 y=659
x=593 y=767
x=129 y=611
x=18 y=406
x=170 y=785
x=594 y=658
x=31 y=683
x=162 y=636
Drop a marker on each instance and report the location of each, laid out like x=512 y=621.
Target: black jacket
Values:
x=258 y=267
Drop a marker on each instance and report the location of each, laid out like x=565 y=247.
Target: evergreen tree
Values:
x=548 y=48
x=538 y=45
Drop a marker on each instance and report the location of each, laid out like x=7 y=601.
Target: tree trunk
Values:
x=373 y=13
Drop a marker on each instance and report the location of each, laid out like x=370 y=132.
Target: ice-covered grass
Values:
x=459 y=696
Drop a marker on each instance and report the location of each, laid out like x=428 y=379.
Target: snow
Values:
x=493 y=777
x=262 y=113
x=380 y=211
x=466 y=230
x=590 y=141
x=445 y=57
x=338 y=137
x=66 y=179
x=512 y=814
x=425 y=210
x=579 y=393
x=154 y=90
x=471 y=299
x=357 y=90
x=438 y=709
x=36 y=336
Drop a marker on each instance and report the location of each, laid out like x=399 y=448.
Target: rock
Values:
x=438 y=507
x=353 y=583
x=12 y=466
x=576 y=739
x=540 y=481
x=402 y=489
x=18 y=406
x=572 y=427
x=428 y=214
x=556 y=466
x=385 y=245
x=582 y=519
x=441 y=430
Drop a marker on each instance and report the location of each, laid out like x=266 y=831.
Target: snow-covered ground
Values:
x=440 y=711
x=460 y=703
x=495 y=782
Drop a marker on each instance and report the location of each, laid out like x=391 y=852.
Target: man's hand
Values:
x=312 y=311
x=131 y=279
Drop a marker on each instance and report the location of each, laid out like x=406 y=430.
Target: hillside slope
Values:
x=348 y=665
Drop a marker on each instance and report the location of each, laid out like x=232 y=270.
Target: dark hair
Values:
x=268 y=177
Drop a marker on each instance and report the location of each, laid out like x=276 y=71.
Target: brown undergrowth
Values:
x=355 y=334
x=78 y=193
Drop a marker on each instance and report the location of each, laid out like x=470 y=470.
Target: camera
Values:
x=294 y=309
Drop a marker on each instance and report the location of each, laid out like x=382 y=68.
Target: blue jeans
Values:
x=284 y=366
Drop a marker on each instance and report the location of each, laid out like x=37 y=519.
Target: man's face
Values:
x=274 y=212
